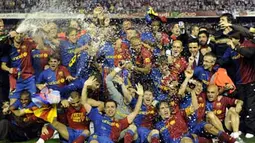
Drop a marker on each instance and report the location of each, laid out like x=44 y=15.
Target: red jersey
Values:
x=123 y=53
x=201 y=98
x=77 y=118
x=219 y=106
x=178 y=67
x=144 y=58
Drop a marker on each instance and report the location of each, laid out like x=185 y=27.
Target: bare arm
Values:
x=5 y=67
x=84 y=96
x=194 y=100
x=138 y=105
x=188 y=74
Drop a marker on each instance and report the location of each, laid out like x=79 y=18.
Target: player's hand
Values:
x=224 y=24
x=118 y=79
x=65 y=103
x=45 y=130
x=6 y=107
x=170 y=59
x=70 y=78
x=56 y=42
x=41 y=86
x=228 y=86
x=139 y=89
x=46 y=67
x=129 y=66
x=231 y=44
x=238 y=108
x=12 y=34
x=11 y=70
x=189 y=73
x=191 y=60
x=90 y=82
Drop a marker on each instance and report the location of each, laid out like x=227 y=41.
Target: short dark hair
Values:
x=111 y=100
x=193 y=26
x=70 y=29
x=211 y=54
x=204 y=32
x=229 y=17
x=54 y=56
x=161 y=102
x=25 y=92
x=193 y=40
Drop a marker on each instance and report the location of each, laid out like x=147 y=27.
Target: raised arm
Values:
x=84 y=96
x=188 y=75
x=138 y=105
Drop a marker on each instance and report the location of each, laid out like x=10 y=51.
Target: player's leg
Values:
x=220 y=134
x=130 y=134
x=46 y=133
x=232 y=122
x=81 y=138
x=214 y=120
x=61 y=128
x=153 y=137
x=186 y=140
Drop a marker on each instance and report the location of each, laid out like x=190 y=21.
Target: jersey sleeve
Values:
x=16 y=104
x=65 y=70
x=133 y=103
x=94 y=114
x=147 y=58
x=40 y=79
x=229 y=101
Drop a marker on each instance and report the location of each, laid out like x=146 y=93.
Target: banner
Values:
x=174 y=14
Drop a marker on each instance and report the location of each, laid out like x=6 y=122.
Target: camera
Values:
x=121 y=63
x=192 y=84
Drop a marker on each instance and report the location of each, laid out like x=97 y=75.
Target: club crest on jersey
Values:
x=60 y=73
x=45 y=55
x=23 y=47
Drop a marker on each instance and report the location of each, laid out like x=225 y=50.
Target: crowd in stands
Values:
x=125 y=6
x=108 y=83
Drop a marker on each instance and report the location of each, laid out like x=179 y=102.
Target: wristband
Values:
x=117 y=70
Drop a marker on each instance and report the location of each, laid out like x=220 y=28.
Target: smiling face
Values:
x=176 y=30
x=110 y=109
x=177 y=48
x=136 y=44
x=19 y=38
x=208 y=62
x=193 y=48
x=25 y=100
x=202 y=39
x=148 y=97
x=53 y=63
x=126 y=25
x=72 y=36
x=164 y=110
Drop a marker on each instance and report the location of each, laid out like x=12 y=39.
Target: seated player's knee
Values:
x=133 y=128
x=94 y=141
x=87 y=132
x=210 y=116
x=209 y=128
x=154 y=132
x=186 y=140
x=232 y=110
